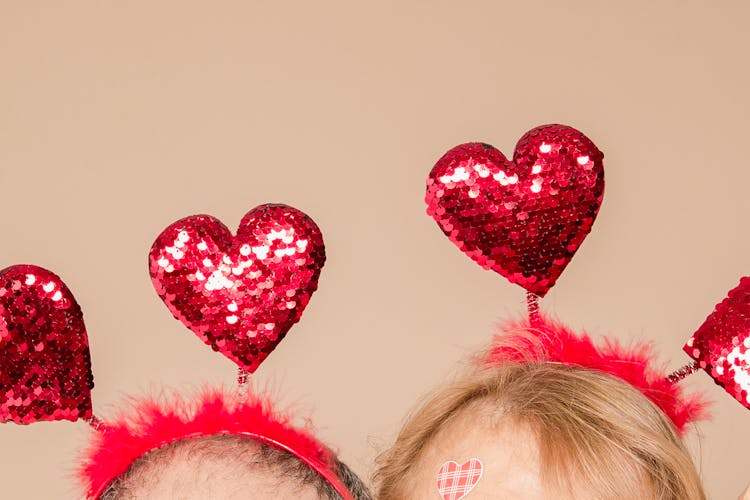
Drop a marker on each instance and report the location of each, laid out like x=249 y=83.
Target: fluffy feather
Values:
x=150 y=423
x=546 y=340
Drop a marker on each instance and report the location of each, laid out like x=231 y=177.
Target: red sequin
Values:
x=721 y=346
x=239 y=294
x=523 y=218
x=45 y=367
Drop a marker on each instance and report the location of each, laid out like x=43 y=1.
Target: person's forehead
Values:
x=508 y=453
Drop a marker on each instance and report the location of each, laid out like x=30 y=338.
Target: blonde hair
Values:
x=593 y=431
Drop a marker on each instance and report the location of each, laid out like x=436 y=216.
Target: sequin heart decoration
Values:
x=721 y=346
x=455 y=481
x=239 y=294
x=524 y=218
x=45 y=366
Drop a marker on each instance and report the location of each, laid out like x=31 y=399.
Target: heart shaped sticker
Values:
x=239 y=294
x=455 y=481
x=524 y=218
x=45 y=366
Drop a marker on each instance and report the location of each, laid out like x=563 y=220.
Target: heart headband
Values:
x=525 y=218
x=239 y=294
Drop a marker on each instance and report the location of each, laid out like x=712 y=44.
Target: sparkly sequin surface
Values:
x=523 y=218
x=45 y=367
x=721 y=346
x=240 y=294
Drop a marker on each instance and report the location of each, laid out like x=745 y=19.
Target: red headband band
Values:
x=150 y=424
x=545 y=340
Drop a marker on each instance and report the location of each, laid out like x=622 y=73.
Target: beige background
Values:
x=117 y=118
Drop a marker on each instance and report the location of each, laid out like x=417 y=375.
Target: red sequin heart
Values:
x=523 y=218
x=455 y=481
x=45 y=366
x=239 y=294
x=721 y=346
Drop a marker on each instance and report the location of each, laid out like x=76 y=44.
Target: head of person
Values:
x=227 y=467
x=541 y=430
x=227 y=445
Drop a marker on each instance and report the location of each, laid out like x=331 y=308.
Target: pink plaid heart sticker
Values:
x=455 y=481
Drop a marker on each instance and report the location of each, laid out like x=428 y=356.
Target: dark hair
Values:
x=246 y=452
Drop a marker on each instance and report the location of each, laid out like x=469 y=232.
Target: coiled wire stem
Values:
x=532 y=304
x=683 y=372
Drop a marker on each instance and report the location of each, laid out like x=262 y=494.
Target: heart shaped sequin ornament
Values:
x=524 y=218
x=239 y=294
x=721 y=345
x=45 y=366
x=455 y=481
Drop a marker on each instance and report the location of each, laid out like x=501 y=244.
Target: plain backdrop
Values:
x=117 y=118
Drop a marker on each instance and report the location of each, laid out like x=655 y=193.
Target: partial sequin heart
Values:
x=240 y=294
x=455 y=481
x=524 y=218
x=45 y=366
x=721 y=346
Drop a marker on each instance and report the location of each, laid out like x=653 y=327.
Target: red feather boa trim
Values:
x=545 y=340
x=151 y=423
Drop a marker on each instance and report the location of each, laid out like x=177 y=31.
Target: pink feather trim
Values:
x=545 y=340
x=151 y=423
